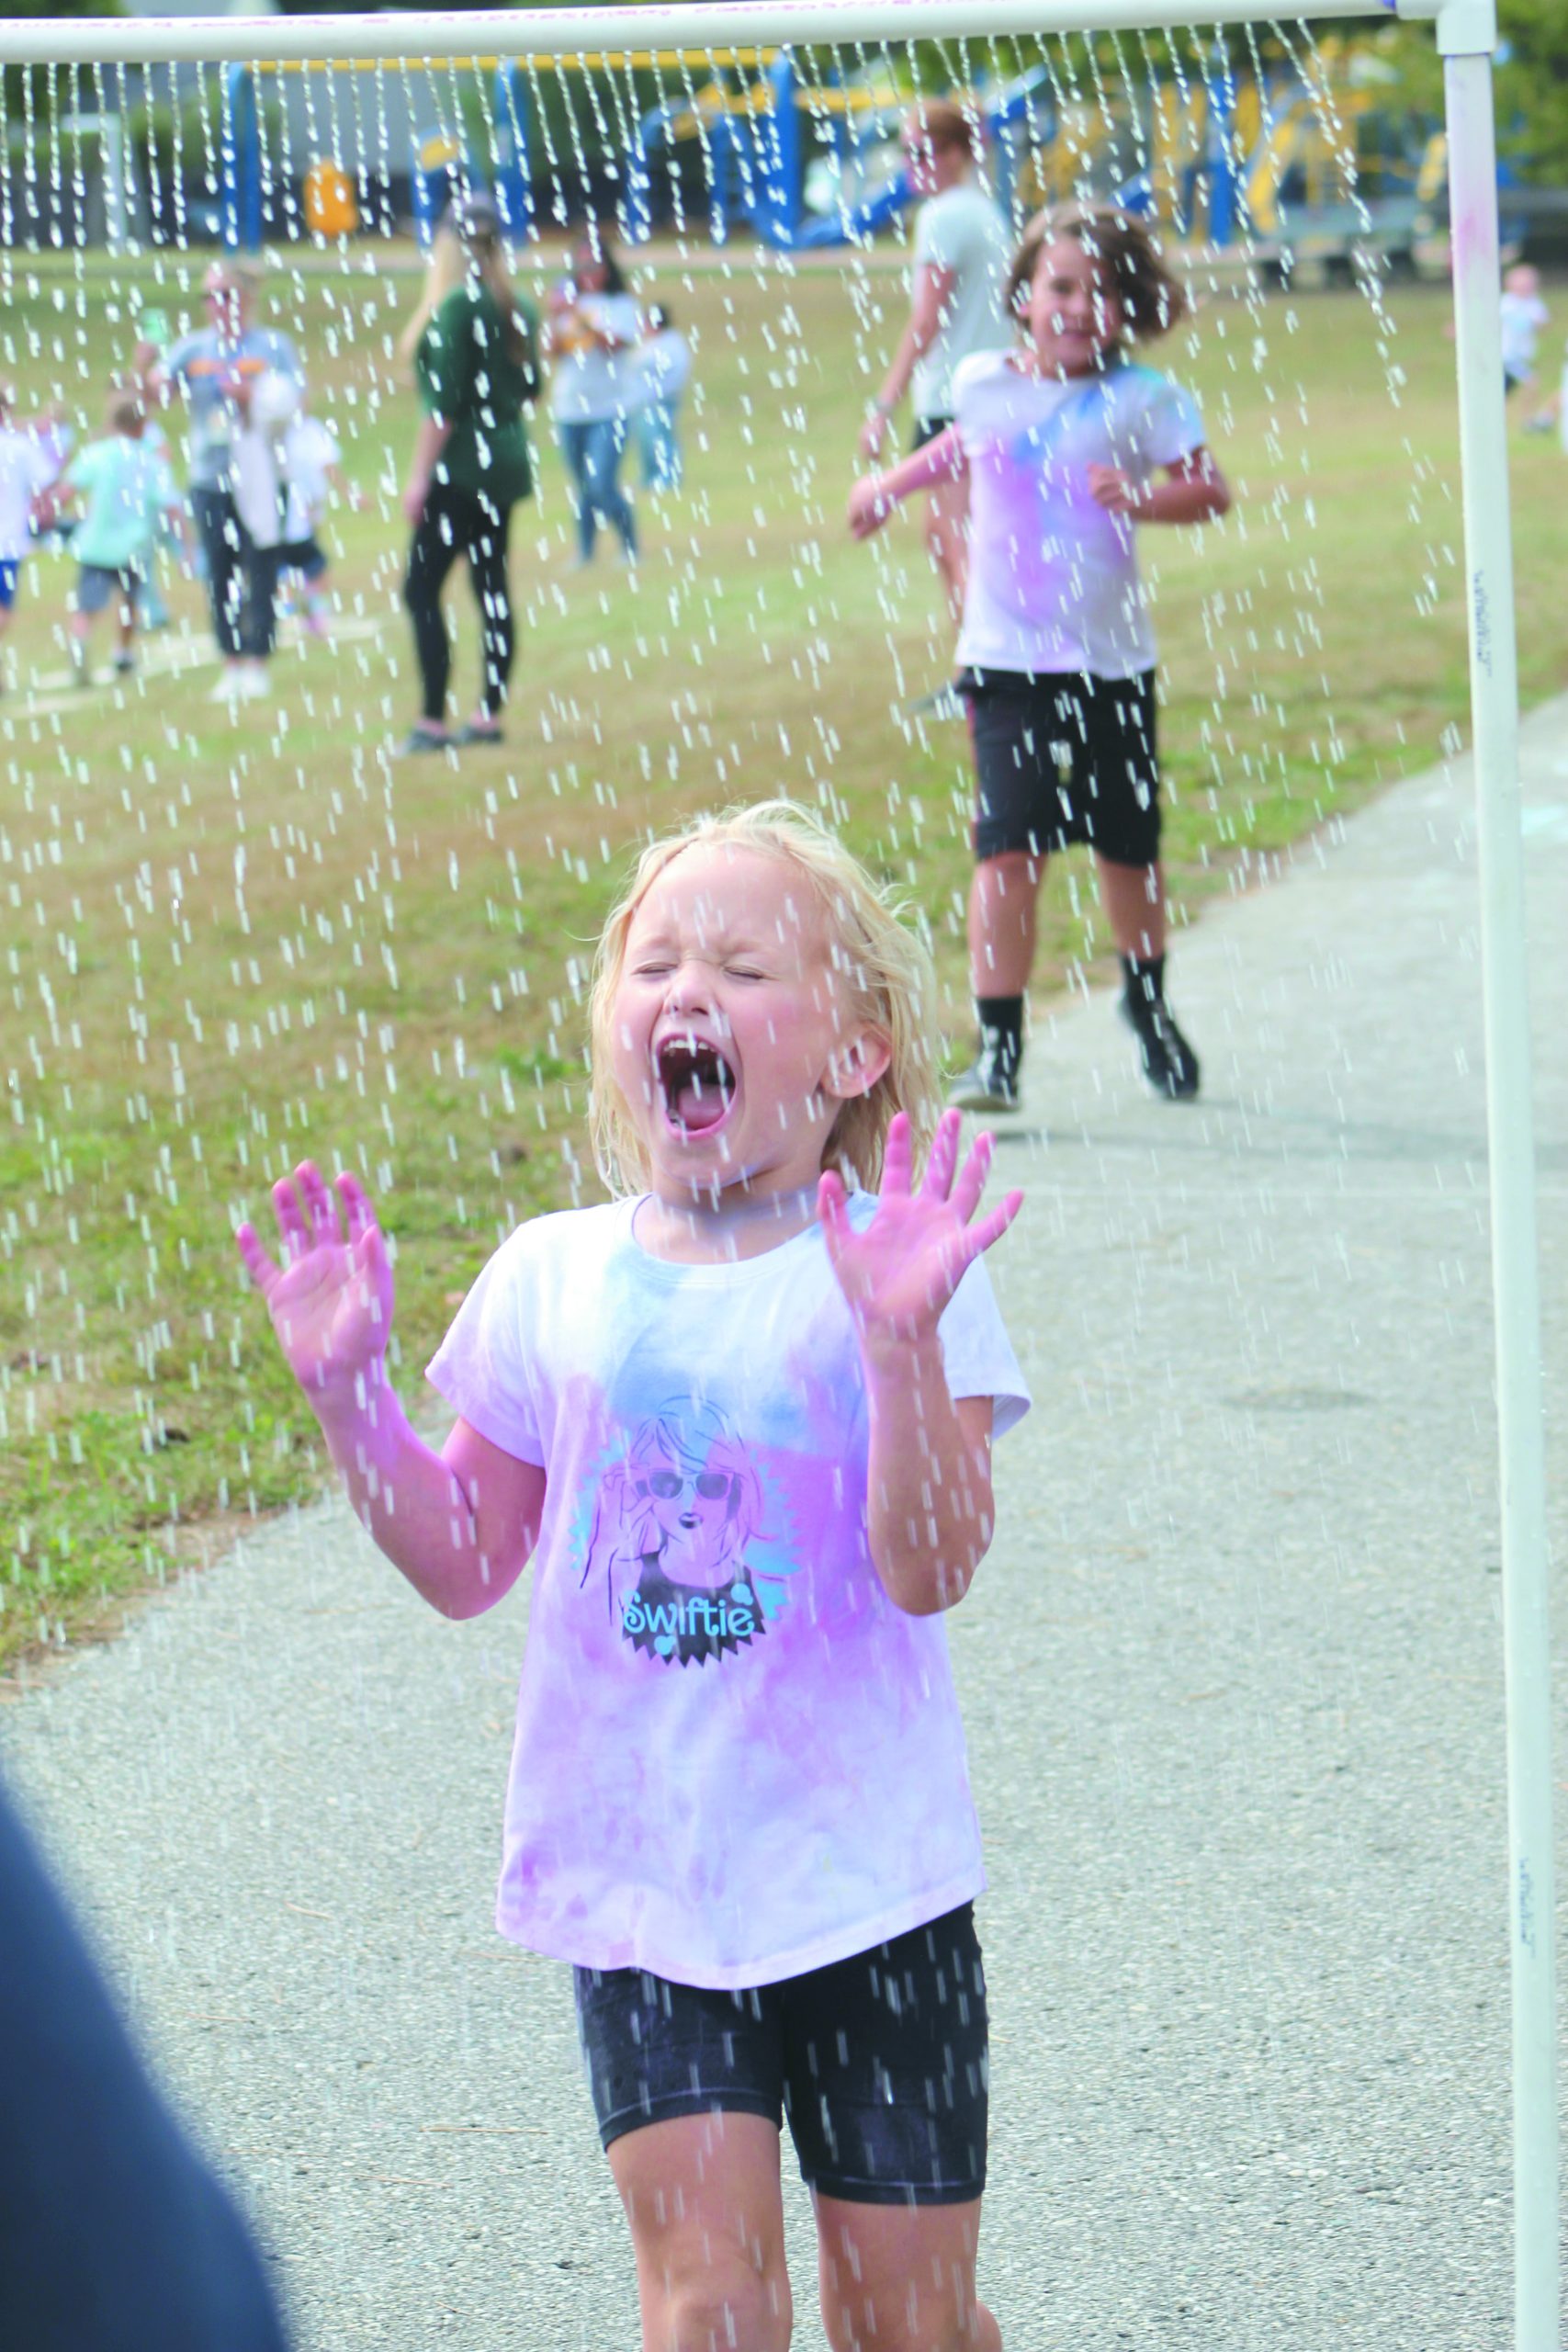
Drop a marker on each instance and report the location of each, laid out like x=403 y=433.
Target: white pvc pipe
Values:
x=1466 y=39
x=593 y=32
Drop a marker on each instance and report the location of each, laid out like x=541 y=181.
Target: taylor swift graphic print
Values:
x=674 y=1518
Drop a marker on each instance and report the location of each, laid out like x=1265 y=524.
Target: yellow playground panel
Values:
x=330 y=204
x=1291 y=140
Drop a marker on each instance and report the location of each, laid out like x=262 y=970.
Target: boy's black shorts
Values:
x=305 y=556
x=1061 y=758
x=879 y=2062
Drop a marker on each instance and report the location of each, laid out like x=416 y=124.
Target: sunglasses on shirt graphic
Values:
x=709 y=1486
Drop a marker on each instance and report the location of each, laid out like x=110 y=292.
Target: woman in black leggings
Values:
x=474 y=346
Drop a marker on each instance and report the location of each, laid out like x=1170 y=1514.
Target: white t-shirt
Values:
x=29 y=461
x=735 y=1758
x=663 y=368
x=1053 y=578
x=1523 y=317
x=961 y=230
x=591 y=383
x=310 y=452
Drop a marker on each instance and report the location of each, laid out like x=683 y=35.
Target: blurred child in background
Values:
x=128 y=490
x=310 y=462
x=32 y=451
x=1523 y=315
x=662 y=363
x=591 y=333
x=151 y=339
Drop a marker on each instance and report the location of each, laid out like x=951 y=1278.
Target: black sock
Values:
x=1002 y=1030
x=1144 y=982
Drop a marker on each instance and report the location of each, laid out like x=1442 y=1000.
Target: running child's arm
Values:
x=929 y=1476
x=874 y=496
x=1193 y=490
x=461 y=1524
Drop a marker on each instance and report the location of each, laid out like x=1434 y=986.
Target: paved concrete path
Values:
x=1232 y=1682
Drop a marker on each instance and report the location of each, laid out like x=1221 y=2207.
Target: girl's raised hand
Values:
x=331 y=1300
x=899 y=1274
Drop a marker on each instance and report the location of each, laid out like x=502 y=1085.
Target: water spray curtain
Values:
x=224 y=945
x=752 y=188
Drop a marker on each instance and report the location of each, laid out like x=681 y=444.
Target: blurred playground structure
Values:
x=1306 y=155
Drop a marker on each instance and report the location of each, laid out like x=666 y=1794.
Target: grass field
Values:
x=229 y=941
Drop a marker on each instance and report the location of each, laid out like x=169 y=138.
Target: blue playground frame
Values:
x=755 y=158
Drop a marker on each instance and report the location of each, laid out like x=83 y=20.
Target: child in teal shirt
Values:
x=126 y=481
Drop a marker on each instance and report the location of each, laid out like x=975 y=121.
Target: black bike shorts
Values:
x=879 y=2062
x=1063 y=758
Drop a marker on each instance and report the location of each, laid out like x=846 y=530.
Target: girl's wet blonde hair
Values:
x=886 y=965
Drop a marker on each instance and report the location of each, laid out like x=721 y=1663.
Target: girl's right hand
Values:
x=869 y=506
x=331 y=1301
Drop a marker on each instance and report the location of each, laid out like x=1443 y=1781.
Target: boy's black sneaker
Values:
x=986 y=1085
x=1169 y=1063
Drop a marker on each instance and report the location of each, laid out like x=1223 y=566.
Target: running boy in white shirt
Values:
x=1067 y=444
x=1522 y=314
x=663 y=370
x=310 y=459
x=740 y=1418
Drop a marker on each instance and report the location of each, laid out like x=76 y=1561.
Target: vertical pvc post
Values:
x=654 y=125
x=782 y=163
x=1467 y=35
x=1222 y=160
x=514 y=173
x=241 y=136
x=721 y=202
x=111 y=148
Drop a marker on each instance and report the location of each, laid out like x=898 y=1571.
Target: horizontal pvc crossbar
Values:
x=651 y=59
x=603 y=33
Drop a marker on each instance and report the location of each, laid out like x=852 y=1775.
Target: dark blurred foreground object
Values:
x=114 y=2235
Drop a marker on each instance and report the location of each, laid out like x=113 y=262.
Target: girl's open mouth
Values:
x=697 y=1085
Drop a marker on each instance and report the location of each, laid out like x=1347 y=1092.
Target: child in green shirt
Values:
x=127 y=487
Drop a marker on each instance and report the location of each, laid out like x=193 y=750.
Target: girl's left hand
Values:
x=1114 y=490
x=899 y=1274
x=414 y=497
